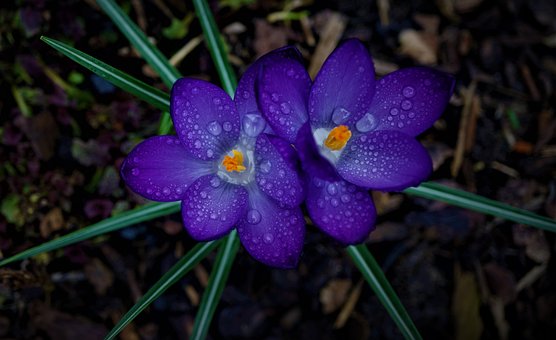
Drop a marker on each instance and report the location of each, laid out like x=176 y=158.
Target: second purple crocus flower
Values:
x=353 y=133
x=225 y=169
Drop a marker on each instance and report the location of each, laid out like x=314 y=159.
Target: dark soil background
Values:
x=461 y=275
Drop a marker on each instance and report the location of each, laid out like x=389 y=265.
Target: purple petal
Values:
x=409 y=100
x=344 y=87
x=159 y=169
x=282 y=90
x=384 y=160
x=311 y=160
x=272 y=235
x=245 y=97
x=205 y=118
x=276 y=176
x=211 y=207
x=340 y=209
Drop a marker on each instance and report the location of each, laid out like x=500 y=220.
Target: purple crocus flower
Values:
x=353 y=133
x=225 y=169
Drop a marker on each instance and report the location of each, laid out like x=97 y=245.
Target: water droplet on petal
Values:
x=197 y=144
x=268 y=238
x=408 y=91
x=331 y=189
x=345 y=198
x=406 y=105
x=265 y=166
x=214 y=128
x=253 y=216
x=195 y=90
x=135 y=172
x=253 y=124
x=203 y=194
x=367 y=123
x=227 y=126
x=215 y=182
x=285 y=108
x=394 y=111
x=340 y=115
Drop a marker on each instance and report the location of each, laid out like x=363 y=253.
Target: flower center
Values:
x=234 y=163
x=337 y=138
x=237 y=166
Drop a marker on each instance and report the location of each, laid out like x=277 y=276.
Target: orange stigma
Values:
x=337 y=138
x=234 y=163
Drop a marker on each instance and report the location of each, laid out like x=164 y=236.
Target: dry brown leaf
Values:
x=420 y=46
x=466 y=306
x=534 y=241
x=52 y=221
x=329 y=35
x=349 y=306
x=99 y=276
x=501 y=282
x=334 y=294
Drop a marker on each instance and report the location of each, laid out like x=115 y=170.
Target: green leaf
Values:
x=139 y=40
x=178 y=29
x=124 y=81
x=216 y=47
x=217 y=281
x=145 y=213
x=374 y=275
x=11 y=210
x=481 y=204
x=182 y=267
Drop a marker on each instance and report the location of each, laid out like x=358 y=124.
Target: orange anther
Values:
x=234 y=163
x=337 y=138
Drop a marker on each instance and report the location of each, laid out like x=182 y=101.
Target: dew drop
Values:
x=345 y=198
x=213 y=216
x=203 y=194
x=265 y=166
x=394 y=111
x=285 y=108
x=367 y=123
x=340 y=115
x=227 y=126
x=197 y=144
x=406 y=105
x=135 y=172
x=246 y=95
x=253 y=216
x=195 y=90
x=166 y=191
x=408 y=91
x=253 y=124
x=215 y=182
x=290 y=72
x=331 y=189
x=210 y=153
x=334 y=202
x=214 y=128
x=268 y=238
